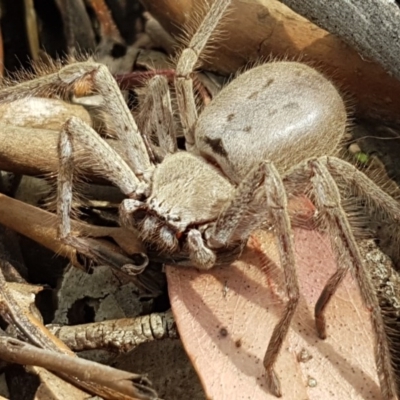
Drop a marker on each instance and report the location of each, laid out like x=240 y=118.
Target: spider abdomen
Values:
x=268 y=112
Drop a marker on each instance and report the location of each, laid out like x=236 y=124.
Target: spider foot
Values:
x=273 y=383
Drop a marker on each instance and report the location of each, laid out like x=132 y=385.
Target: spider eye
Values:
x=118 y=50
x=139 y=215
x=178 y=235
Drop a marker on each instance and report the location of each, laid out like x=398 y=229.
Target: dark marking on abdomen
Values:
x=291 y=106
x=230 y=117
x=268 y=83
x=216 y=145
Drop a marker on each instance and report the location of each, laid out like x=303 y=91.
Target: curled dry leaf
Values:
x=54 y=355
x=225 y=319
x=41 y=226
x=20 y=301
x=102 y=380
x=41 y=113
x=109 y=31
x=36 y=123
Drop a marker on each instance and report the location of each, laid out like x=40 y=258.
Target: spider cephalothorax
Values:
x=179 y=212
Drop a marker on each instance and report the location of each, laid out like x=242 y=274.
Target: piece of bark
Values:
x=1 y=54
x=261 y=29
x=78 y=29
x=102 y=292
x=370 y=26
x=121 y=335
x=32 y=31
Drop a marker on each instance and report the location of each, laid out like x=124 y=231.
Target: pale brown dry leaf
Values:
x=225 y=318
